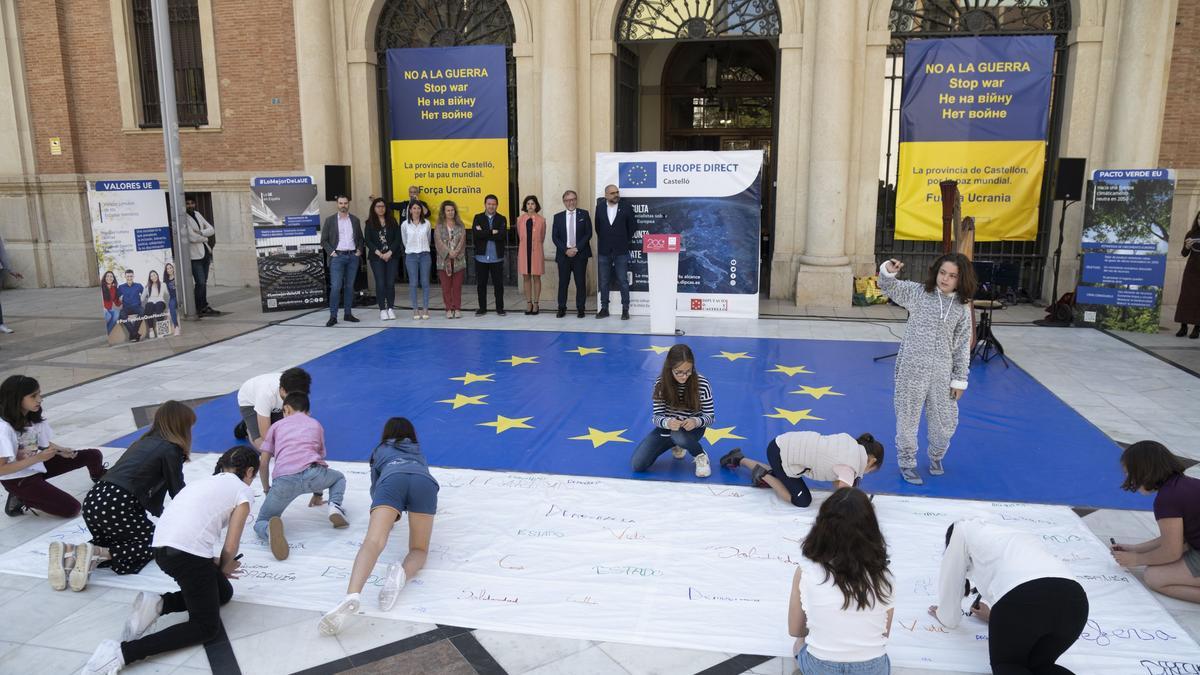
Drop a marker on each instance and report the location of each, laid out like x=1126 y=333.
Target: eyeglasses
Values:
x=682 y=373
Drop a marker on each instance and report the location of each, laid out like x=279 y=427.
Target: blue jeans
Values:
x=659 y=441
x=418 y=266
x=610 y=266
x=811 y=665
x=110 y=318
x=173 y=305
x=385 y=281
x=343 y=267
x=284 y=489
x=200 y=282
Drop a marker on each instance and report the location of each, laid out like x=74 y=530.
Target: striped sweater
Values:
x=706 y=414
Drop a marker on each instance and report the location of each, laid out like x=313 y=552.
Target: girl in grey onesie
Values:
x=931 y=367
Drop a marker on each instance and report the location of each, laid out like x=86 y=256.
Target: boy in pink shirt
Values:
x=297 y=444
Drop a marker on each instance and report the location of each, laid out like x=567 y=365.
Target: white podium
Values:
x=662 y=262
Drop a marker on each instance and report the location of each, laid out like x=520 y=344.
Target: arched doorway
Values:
x=956 y=18
x=701 y=76
x=436 y=23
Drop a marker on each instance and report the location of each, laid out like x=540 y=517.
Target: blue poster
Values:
x=1126 y=227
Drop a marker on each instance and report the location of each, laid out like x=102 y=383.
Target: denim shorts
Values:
x=811 y=665
x=1191 y=558
x=410 y=492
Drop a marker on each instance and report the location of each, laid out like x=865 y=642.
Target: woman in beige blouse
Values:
x=450 y=239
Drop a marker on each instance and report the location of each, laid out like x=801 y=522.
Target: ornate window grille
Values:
x=190 y=100
x=697 y=19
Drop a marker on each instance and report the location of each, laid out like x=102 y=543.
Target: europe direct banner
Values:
x=286 y=217
x=132 y=236
x=712 y=199
x=449 y=125
x=1126 y=231
x=975 y=110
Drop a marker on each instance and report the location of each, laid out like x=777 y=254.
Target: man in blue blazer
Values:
x=571 y=233
x=614 y=232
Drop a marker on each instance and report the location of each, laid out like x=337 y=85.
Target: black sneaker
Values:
x=732 y=459
x=625 y=315
x=14 y=507
x=350 y=317
x=239 y=431
x=602 y=314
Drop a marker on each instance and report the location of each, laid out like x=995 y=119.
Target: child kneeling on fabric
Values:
x=297 y=442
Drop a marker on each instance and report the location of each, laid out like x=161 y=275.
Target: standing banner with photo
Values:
x=712 y=199
x=1126 y=230
x=449 y=125
x=287 y=242
x=132 y=237
x=975 y=110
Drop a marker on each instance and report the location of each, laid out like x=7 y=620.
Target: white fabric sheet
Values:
x=657 y=563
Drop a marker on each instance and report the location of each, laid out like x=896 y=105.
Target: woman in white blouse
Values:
x=154 y=302
x=1034 y=608
x=417 y=259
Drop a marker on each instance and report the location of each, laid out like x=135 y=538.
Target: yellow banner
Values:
x=1000 y=183
x=460 y=169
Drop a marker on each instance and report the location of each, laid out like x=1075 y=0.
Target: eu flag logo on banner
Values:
x=637 y=174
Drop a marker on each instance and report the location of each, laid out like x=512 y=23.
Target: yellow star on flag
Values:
x=732 y=356
x=503 y=423
x=460 y=400
x=472 y=377
x=599 y=438
x=656 y=349
x=790 y=370
x=816 y=392
x=519 y=360
x=584 y=351
x=713 y=435
x=793 y=416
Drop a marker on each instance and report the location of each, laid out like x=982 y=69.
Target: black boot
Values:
x=1182 y=330
x=1195 y=332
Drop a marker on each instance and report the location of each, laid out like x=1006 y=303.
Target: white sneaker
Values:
x=5 y=329
x=57 y=574
x=393 y=582
x=678 y=452
x=703 y=470
x=337 y=516
x=331 y=623
x=106 y=660
x=391 y=313
x=383 y=315
x=83 y=566
x=147 y=607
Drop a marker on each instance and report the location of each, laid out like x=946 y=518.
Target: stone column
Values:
x=1144 y=58
x=559 y=117
x=789 y=168
x=319 y=123
x=825 y=278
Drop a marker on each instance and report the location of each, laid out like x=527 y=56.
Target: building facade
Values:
x=292 y=86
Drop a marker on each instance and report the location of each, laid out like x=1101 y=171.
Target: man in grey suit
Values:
x=342 y=239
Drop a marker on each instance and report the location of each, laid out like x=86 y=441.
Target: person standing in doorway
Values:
x=1187 y=310
x=342 y=239
x=200 y=235
x=614 y=232
x=490 y=233
x=571 y=232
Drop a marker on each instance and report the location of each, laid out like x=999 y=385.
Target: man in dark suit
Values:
x=490 y=233
x=614 y=232
x=342 y=239
x=571 y=233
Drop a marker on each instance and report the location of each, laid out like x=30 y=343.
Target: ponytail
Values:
x=238 y=458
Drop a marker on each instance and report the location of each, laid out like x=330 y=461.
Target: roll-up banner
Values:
x=713 y=199
x=975 y=110
x=449 y=125
x=1126 y=230
x=132 y=237
x=287 y=242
